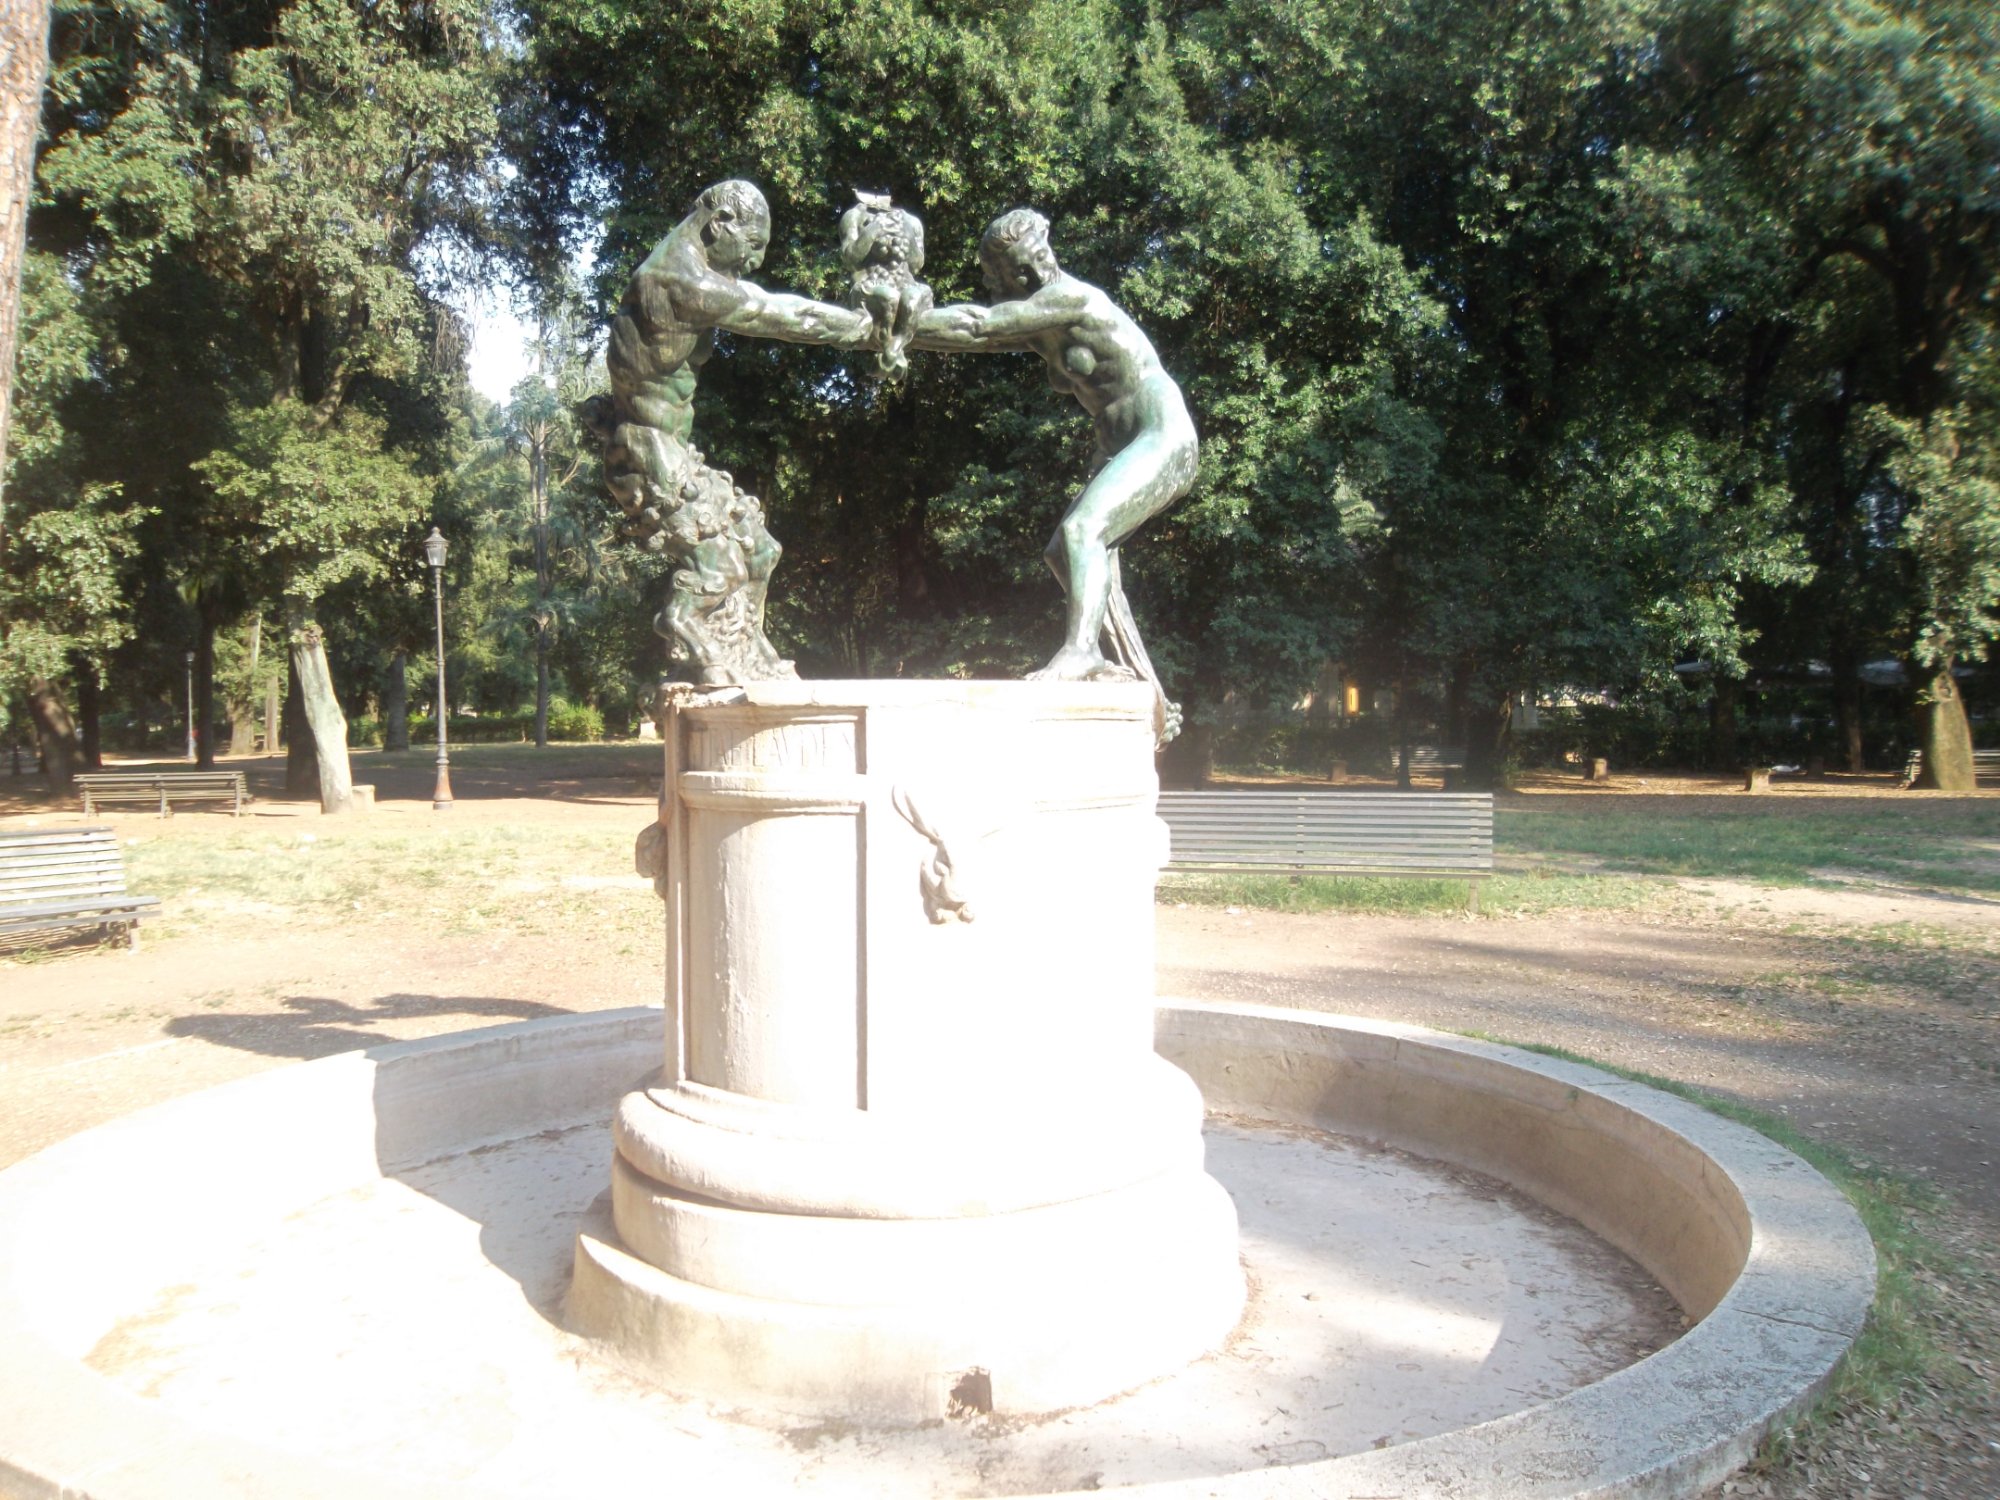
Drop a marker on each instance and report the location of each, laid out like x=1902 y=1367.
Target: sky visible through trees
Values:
x=1635 y=359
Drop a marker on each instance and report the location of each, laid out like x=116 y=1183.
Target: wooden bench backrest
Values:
x=1378 y=830
x=61 y=864
x=222 y=780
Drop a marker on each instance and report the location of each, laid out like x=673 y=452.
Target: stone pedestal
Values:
x=911 y=1149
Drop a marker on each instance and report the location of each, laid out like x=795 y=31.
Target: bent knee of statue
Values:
x=1078 y=534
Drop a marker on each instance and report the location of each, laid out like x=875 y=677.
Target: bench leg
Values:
x=132 y=937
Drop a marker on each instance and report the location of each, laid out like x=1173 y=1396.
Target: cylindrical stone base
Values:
x=911 y=1151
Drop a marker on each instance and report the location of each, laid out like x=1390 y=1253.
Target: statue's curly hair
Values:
x=736 y=197
x=1019 y=226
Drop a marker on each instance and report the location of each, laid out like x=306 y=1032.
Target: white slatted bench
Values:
x=1985 y=767
x=1433 y=835
x=102 y=788
x=1431 y=758
x=60 y=878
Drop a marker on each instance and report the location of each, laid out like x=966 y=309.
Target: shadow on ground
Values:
x=312 y=1026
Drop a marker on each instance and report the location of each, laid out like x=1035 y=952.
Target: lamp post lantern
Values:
x=434 y=555
x=189 y=659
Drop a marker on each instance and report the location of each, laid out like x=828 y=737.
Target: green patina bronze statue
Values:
x=674 y=503
x=693 y=283
x=1146 y=446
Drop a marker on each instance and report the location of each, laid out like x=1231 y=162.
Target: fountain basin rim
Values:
x=1748 y=1237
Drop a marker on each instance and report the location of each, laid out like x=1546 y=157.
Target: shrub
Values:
x=572 y=721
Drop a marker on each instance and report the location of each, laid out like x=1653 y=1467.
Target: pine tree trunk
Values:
x=1945 y=734
x=55 y=732
x=274 y=733
x=24 y=46
x=322 y=712
x=542 y=689
x=396 y=702
x=91 y=743
x=301 y=754
x=204 y=696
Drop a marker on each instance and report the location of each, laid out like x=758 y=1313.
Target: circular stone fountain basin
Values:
x=1468 y=1267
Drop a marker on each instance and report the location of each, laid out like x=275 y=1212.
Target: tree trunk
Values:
x=243 y=707
x=1404 y=736
x=204 y=696
x=274 y=733
x=1457 y=696
x=322 y=712
x=1945 y=735
x=1188 y=760
x=396 y=702
x=542 y=688
x=91 y=745
x=301 y=755
x=242 y=725
x=1722 y=723
x=1489 y=730
x=24 y=44
x=55 y=732
x=1847 y=711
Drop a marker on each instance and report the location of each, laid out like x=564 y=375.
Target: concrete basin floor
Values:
x=406 y=1328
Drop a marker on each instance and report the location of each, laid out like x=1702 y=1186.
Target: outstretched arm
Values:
x=968 y=328
x=797 y=320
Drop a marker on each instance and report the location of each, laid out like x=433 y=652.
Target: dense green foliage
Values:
x=1536 y=349
x=235 y=353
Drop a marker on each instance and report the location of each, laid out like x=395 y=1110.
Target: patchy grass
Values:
x=1897 y=1358
x=1618 y=854
x=1947 y=843
x=1501 y=895
x=547 y=879
x=1950 y=972
x=566 y=761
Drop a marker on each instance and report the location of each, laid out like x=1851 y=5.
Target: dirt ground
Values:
x=1771 y=997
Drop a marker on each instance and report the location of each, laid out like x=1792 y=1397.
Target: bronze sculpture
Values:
x=692 y=284
x=1146 y=445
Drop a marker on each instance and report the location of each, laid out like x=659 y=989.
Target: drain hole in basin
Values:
x=973 y=1395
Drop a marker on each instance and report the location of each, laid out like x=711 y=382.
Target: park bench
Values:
x=67 y=877
x=1985 y=766
x=102 y=788
x=1433 y=835
x=1429 y=758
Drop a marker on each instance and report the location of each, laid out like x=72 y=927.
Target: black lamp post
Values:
x=189 y=658
x=434 y=555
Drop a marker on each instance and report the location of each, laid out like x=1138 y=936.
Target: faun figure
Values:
x=674 y=503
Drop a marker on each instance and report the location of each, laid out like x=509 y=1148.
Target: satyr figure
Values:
x=692 y=284
x=883 y=249
x=1145 y=450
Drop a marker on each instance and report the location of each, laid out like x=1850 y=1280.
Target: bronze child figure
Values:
x=883 y=249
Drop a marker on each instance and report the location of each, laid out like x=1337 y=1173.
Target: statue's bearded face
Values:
x=737 y=240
